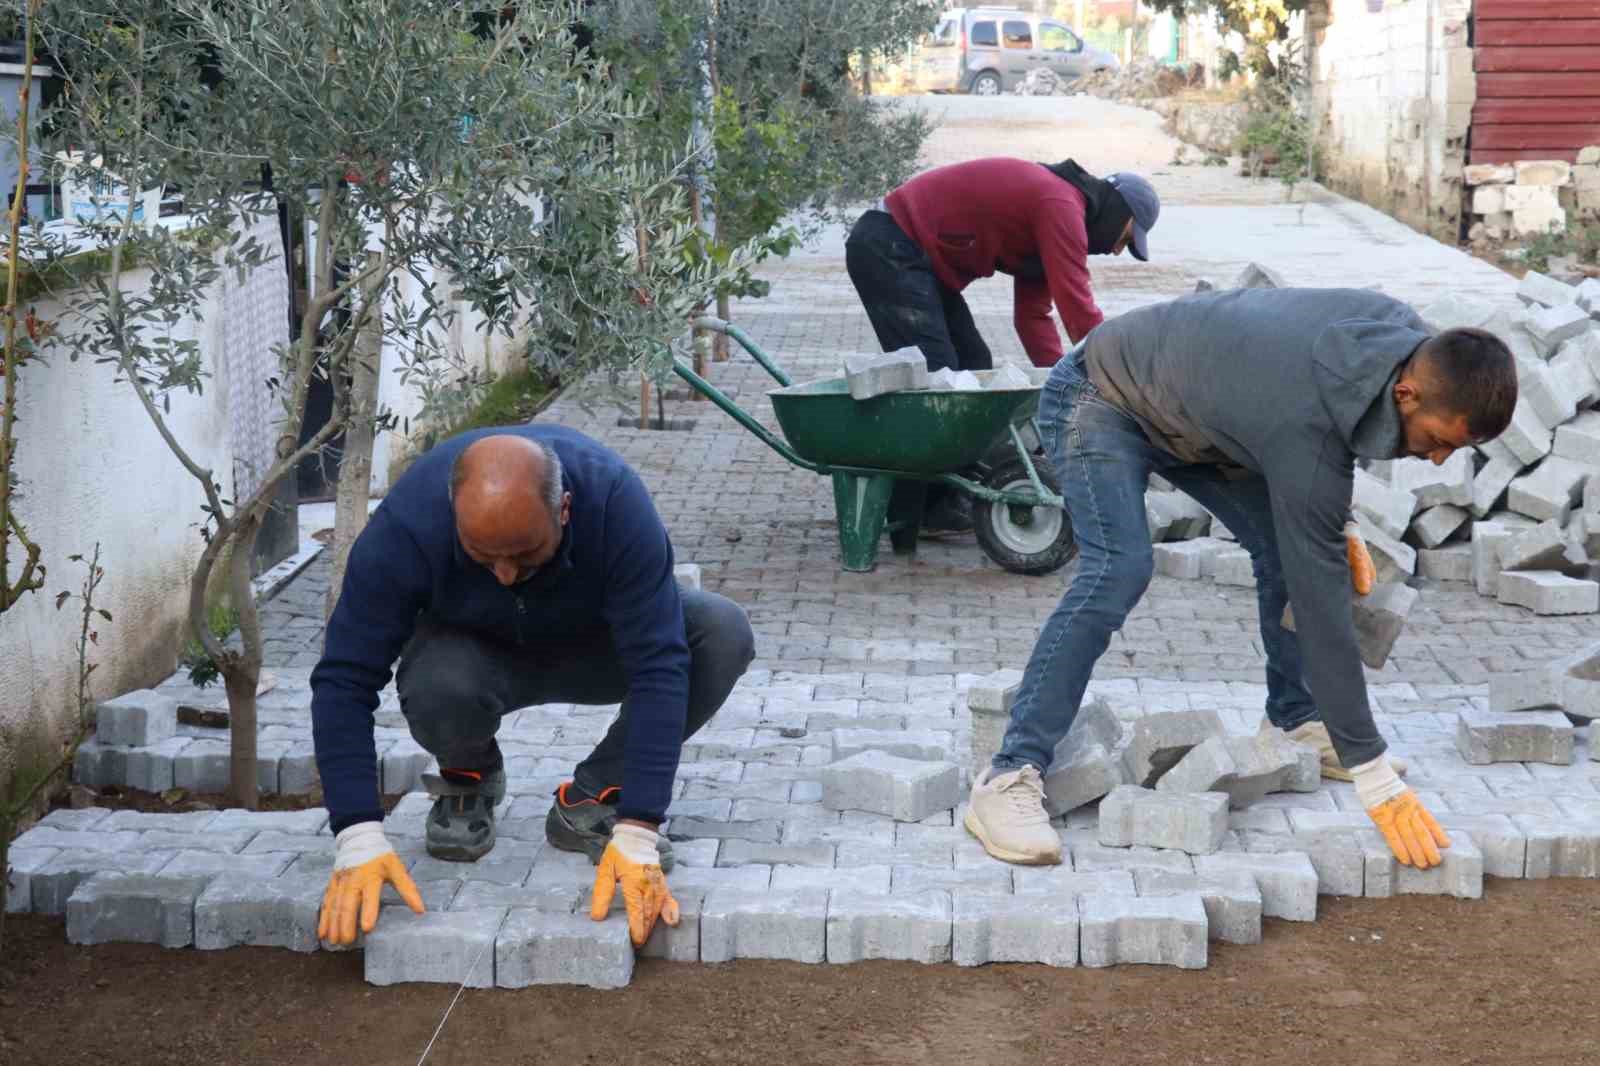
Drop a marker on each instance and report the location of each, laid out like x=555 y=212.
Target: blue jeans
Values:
x=1104 y=460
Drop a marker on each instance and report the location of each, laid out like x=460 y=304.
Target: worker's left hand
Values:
x=632 y=859
x=1362 y=572
x=1410 y=830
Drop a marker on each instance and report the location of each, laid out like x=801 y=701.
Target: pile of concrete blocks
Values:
x=1533 y=714
x=1522 y=199
x=1518 y=516
x=872 y=375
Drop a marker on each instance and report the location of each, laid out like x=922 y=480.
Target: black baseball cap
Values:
x=1142 y=200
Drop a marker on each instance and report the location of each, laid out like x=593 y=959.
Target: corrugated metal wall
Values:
x=1538 y=73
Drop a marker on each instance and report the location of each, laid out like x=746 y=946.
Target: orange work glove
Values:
x=1362 y=572
x=632 y=859
x=365 y=862
x=1412 y=833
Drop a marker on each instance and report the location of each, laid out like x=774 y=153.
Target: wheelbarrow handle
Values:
x=718 y=325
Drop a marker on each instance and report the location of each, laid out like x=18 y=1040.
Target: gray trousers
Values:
x=455 y=686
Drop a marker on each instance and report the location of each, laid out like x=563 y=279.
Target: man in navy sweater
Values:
x=511 y=567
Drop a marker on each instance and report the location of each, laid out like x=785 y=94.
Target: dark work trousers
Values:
x=455 y=686
x=907 y=304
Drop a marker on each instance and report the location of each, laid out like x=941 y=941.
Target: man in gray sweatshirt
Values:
x=1257 y=403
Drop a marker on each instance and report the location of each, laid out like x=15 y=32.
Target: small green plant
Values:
x=1277 y=135
x=222 y=618
x=1579 y=241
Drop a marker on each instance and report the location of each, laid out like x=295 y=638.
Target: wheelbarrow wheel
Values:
x=1023 y=540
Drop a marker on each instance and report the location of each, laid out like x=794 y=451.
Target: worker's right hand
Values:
x=1412 y=833
x=631 y=859
x=1362 y=572
x=365 y=862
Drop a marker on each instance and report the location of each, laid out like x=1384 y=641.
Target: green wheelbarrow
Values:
x=883 y=454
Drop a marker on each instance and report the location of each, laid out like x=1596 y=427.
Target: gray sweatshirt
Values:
x=1291 y=385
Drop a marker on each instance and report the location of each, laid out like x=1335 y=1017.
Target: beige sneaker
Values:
x=1006 y=813
x=1314 y=734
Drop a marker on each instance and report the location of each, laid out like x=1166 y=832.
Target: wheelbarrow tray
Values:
x=914 y=432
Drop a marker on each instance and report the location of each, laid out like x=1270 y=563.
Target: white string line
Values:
x=470 y=969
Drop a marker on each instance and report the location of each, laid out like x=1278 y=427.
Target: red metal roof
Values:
x=1538 y=67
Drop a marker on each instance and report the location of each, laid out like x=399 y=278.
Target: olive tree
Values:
x=415 y=135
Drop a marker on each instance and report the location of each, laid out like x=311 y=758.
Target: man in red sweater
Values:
x=912 y=254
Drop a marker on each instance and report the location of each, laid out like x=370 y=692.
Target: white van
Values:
x=988 y=50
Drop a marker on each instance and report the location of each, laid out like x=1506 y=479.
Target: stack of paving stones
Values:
x=819 y=819
x=1518 y=517
x=1529 y=198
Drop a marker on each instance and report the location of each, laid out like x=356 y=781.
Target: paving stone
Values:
x=1552 y=326
x=765 y=831
x=1194 y=823
x=188 y=822
x=1189 y=559
x=1528 y=437
x=989 y=703
x=912 y=853
x=136 y=719
x=1490 y=484
x=42 y=836
x=773 y=925
x=446 y=947
x=1504 y=846
x=1438 y=524
x=1158 y=741
x=1489 y=541
x=202 y=766
x=1246 y=768
x=676 y=943
x=478 y=895
x=1394 y=560
x=1089 y=857
x=1453 y=562
x=1232 y=901
x=134 y=908
x=1578 y=442
x=1541 y=547
x=912 y=926
x=493 y=868
x=688 y=576
x=1233 y=567
x=1387 y=507
x=402 y=766
x=297 y=770
x=989 y=928
x=1449 y=483
x=862 y=879
x=271 y=840
x=1459 y=875
x=212 y=863
x=538 y=947
x=1546 y=391
x=96 y=765
x=1338 y=856
x=1286 y=880
x=1166 y=930
x=907 y=790
x=1518 y=736
x=68 y=820
x=1556 y=847
x=238 y=908
x=1257 y=276
x=1086 y=773
x=749 y=879
x=876 y=374
x=745 y=852
x=1063 y=882
x=993 y=878
x=908 y=744
x=21 y=863
x=1550 y=490
x=1547 y=592
x=229 y=843
x=1541 y=290
x=312 y=821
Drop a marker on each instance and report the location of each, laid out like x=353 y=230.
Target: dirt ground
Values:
x=1417 y=981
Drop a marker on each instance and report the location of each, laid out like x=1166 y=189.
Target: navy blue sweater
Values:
x=613 y=572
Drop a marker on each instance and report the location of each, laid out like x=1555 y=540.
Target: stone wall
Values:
x=1393 y=94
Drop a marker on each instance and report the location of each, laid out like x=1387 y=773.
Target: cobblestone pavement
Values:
x=895 y=650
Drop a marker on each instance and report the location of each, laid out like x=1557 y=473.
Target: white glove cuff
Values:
x=1376 y=782
x=1352 y=528
x=637 y=844
x=359 y=844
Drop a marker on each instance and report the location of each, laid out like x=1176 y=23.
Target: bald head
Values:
x=509 y=507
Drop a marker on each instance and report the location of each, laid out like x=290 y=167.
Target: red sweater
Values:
x=971 y=218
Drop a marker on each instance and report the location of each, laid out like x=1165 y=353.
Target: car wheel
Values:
x=986 y=84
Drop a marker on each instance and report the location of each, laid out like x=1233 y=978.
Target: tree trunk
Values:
x=355 y=466
x=241 y=672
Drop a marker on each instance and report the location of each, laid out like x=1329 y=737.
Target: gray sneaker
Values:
x=585 y=826
x=461 y=823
